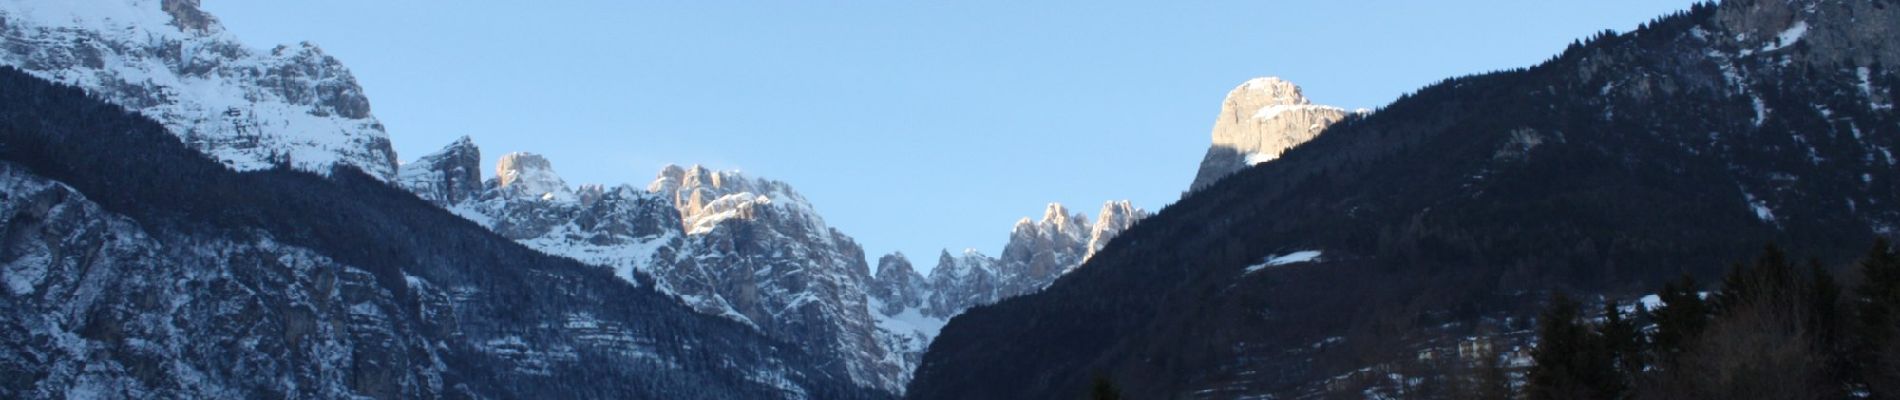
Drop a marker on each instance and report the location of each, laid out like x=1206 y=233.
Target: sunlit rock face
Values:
x=1260 y=119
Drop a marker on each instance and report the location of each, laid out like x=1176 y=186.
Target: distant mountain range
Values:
x=746 y=249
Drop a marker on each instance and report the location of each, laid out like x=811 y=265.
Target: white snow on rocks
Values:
x=1788 y=37
x=1296 y=257
x=292 y=105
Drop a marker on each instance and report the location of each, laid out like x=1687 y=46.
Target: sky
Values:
x=912 y=126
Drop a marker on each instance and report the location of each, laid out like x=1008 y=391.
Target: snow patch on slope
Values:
x=1762 y=211
x=1296 y=257
x=1788 y=37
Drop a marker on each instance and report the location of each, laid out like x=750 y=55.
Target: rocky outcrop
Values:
x=962 y=281
x=1832 y=30
x=897 y=286
x=910 y=308
x=447 y=177
x=1116 y=216
x=1259 y=120
x=186 y=15
x=136 y=316
x=529 y=175
x=1038 y=251
x=751 y=250
x=760 y=249
x=250 y=109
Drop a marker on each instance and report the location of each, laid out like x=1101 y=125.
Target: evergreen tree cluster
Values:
x=1772 y=331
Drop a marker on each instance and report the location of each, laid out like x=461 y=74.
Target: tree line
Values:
x=1771 y=330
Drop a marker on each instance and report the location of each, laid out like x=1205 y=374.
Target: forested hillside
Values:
x=1627 y=160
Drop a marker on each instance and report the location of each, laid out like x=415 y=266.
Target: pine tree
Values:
x=1623 y=344
x=1494 y=383
x=1879 y=296
x=1104 y=389
x=1771 y=279
x=1734 y=288
x=1825 y=321
x=1877 y=312
x=1682 y=317
x=1572 y=362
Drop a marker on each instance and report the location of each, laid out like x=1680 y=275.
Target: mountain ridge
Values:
x=291 y=105
x=1624 y=160
x=279 y=283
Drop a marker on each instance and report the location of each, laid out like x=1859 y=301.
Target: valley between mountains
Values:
x=187 y=216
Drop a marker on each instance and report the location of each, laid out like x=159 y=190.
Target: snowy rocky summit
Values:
x=166 y=59
x=747 y=249
x=529 y=175
x=757 y=252
x=1260 y=119
x=449 y=176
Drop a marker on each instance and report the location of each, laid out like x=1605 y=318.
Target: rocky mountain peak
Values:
x=897 y=285
x=895 y=266
x=529 y=174
x=1039 y=251
x=446 y=177
x=1056 y=220
x=1116 y=216
x=706 y=196
x=170 y=61
x=1258 y=120
x=1059 y=215
x=187 y=17
x=1266 y=91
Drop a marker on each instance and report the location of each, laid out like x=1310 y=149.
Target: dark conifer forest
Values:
x=1773 y=329
x=1447 y=218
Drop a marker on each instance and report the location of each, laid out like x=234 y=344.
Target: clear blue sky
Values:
x=912 y=125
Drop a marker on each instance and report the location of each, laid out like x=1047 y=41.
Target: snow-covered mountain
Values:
x=751 y=250
x=746 y=249
x=166 y=59
x=311 y=318
x=449 y=176
x=755 y=251
x=135 y=267
x=1260 y=119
